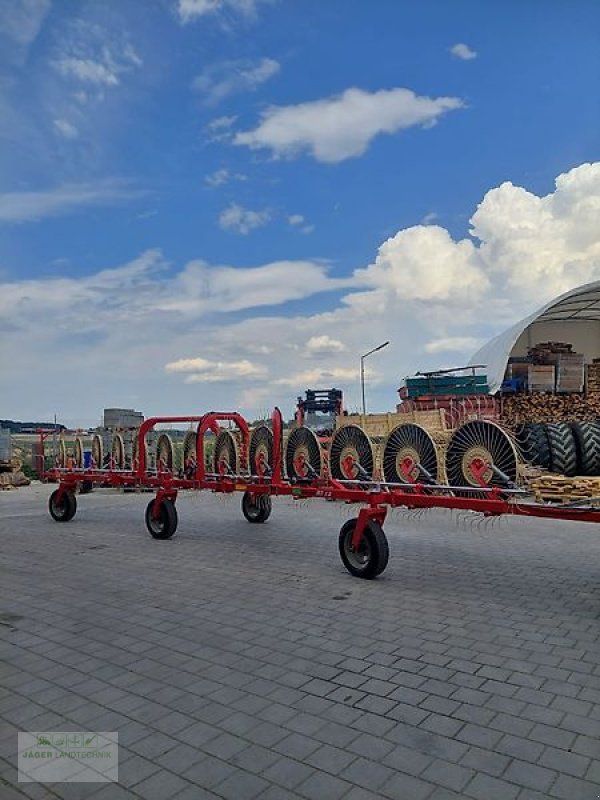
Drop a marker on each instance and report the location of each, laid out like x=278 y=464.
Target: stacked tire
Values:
x=565 y=448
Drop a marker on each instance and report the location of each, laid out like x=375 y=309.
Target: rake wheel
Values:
x=351 y=454
x=225 y=458
x=136 y=454
x=260 y=451
x=303 y=455
x=117 y=451
x=473 y=448
x=164 y=453
x=97 y=451
x=189 y=452
x=406 y=447
x=79 y=452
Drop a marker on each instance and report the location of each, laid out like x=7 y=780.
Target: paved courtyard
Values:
x=242 y=661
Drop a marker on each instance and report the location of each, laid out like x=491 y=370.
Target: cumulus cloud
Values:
x=295 y=219
x=225 y=78
x=203 y=370
x=65 y=199
x=324 y=344
x=343 y=126
x=463 y=51
x=237 y=219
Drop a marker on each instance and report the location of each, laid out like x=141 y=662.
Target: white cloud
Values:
x=343 y=126
x=204 y=371
x=95 y=57
x=191 y=10
x=424 y=263
x=453 y=344
x=222 y=176
x=65 y=199
x=87 y=70
x=295 y=219
x=324 y=344
x=225 y=78
x=319 y=377
x=242 y=220
x=21 y=20
x=219 y=129
x=66 y=129
x=463 y=51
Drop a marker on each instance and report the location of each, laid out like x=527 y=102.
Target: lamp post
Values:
x=362 y=372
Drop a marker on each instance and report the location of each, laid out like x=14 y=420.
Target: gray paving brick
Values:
x=445 y=726
x=320 y=786
x=209 y=772
x=485 y=761
x=241 y=786
x=287 y=772
x=297 y=746
x=406 y=787
x=160 y=785
x=484 y=787
x=568 y=788
x=563 y=761
x=451 y=776
x=520 y=748
x=530 y=775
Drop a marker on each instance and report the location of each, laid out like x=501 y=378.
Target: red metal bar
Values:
x=211 y=420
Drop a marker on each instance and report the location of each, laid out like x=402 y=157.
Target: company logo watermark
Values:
x=68 y=757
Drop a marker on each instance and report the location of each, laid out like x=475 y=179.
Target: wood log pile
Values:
x=549 y=408
x=557 y=489
x=593 y=377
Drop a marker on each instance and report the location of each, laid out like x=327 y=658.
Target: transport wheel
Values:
x=256 y=508
x=79 y=452
x=372 y=557
x=303 y=455
x=562 y=448
x=587 y=443
x=532 y=439
x=407 y=447
x=98 y=451
x=166 y=524
x=118 y=451
x=64 y=510
x=85 y=487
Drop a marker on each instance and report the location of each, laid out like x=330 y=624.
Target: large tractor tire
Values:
x=563 y=452
x=587 y=443
x=534 y=444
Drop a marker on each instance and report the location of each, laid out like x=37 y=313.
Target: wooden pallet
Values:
x=558 y=489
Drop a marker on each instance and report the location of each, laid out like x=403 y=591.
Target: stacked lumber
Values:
x=557 y=489
x=549 y=408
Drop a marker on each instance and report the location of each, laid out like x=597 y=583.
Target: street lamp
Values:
x=362 y=372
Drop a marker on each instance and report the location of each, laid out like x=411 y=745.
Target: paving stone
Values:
x=529 y=775
x=563 y=761
x=320 y=786
x=241 y=786
x=287 y=772
x=451 y=776
x=568 y=788
x=484 y=787
x=406 y=787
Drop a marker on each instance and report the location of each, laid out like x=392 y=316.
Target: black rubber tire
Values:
x=256 y=508
x=67 y=508
x=587 y=443
x=374 y=554
x=562 y=448
x=165 y=526
x=85 y=487
x=534 y=445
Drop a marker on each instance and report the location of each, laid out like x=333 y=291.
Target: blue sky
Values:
x=218 y=203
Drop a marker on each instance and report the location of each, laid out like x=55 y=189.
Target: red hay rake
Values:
x=362 y=542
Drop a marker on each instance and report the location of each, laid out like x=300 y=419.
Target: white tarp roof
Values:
x=580 y=304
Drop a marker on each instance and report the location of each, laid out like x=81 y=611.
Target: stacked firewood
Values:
x=549 y=408
x=593 y=377
x=540 y=352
